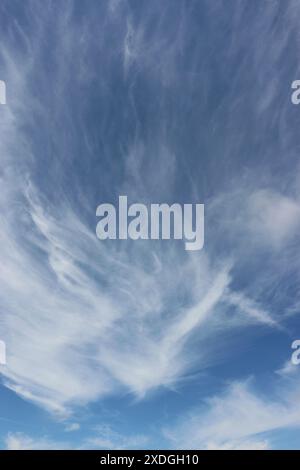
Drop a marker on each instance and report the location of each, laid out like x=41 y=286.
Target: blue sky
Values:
x=141 y=344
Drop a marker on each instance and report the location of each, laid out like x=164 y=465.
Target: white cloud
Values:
x=240 y=418
x=250 y=308
x=81 y=319
x=69 y=339
x=106 y=438
x=72 y=427
x=67 y=348
x=274 y=218
x=103 y=437
x=240 y=445
x=288 y=369
x=20 y=441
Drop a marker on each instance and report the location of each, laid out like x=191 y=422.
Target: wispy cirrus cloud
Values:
x=239 y=418
x=84 y=320
x=20 y=441
x=102 y=437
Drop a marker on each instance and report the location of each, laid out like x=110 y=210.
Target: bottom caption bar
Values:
x=134 y=459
